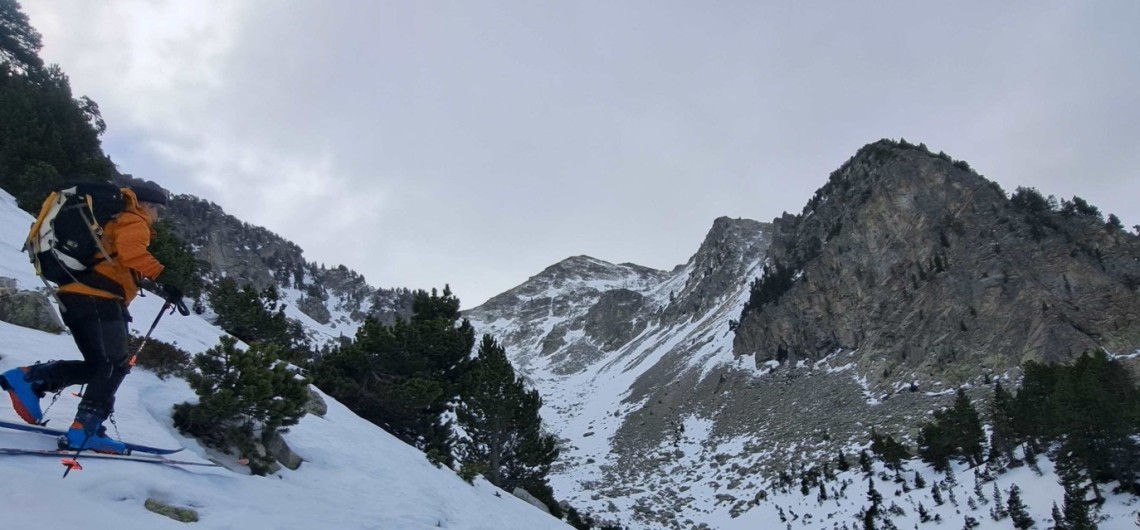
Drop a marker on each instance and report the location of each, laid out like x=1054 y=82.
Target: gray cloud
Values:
x=476 y=143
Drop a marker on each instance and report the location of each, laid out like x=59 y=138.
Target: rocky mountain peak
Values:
x=927 y=269
x=718 y=267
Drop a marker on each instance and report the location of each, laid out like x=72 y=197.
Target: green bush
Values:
x=159 y=357
x=243 y=395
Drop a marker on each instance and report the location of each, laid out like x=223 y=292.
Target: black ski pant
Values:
x=99 y=327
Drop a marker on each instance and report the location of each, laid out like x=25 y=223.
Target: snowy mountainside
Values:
x=355 y=475
x=549 y=311
x=600 y=357
x=663 y=427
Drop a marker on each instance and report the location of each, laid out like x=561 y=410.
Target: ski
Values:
x=134 y=448
x=87 y=455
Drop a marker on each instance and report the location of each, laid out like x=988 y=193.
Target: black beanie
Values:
x=149 y=193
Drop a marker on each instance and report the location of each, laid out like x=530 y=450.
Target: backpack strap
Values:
x=98 y=281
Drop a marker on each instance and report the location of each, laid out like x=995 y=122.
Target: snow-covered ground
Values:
x=355 y=475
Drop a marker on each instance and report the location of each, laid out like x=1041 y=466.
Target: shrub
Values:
x=243 y=397
x=159 y=357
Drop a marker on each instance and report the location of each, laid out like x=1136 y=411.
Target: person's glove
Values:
x=173 y=296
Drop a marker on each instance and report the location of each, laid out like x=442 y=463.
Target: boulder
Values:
x=526 y=496
x=29 y=309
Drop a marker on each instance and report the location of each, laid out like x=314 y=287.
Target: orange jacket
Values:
x=126 y=238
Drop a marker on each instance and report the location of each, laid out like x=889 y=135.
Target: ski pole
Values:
x=135 y=357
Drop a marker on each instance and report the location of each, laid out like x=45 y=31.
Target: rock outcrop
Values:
x=928 y=270
x=30 y=309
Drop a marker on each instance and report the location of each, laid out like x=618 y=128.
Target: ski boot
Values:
x=25 y=392
x=88 y=433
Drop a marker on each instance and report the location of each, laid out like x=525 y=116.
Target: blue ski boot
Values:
x=21 y=387
x=88 y=433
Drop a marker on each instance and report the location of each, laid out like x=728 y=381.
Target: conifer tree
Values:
x=891 y=452
x=935 y=445
x=969 y=435
x=20 y=43
x=405 y=376
x=1076 y=510
x=936 y=494
x=501 y=419
x=923 y=515
x=865 y=462
x=241 y=394
x=250 y=315
x=999 y=511
x=1003 y=437
x=1058 y=518
x=181 y=266
x=841 y=462
x=956 y=431
x=871 y=513
x=1017 y=511
x=1034 y=404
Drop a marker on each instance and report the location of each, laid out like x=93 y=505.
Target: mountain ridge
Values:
x=920 y=263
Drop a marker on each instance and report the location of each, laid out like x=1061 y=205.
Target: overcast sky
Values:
x=476 y=143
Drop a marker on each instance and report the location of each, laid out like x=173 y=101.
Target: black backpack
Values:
x=65 y=241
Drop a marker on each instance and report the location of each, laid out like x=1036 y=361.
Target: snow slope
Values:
x=355 y=475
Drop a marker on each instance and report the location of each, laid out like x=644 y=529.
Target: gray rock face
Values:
x=30 y=309
x=316 y=404
x=928 y=270
x=616 y=318
x=275 y=445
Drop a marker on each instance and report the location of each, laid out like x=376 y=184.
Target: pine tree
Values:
x=1004 y=436
x=891 y=452
x=501 y=419
x=967 y=425
x=841 y=461
x=181 y=266
x=936 y=494
x=935 y=446
x=999 y=511
x=1098 y=406
x=242 y=394
x=1017 y=511
x=923 y=515
x=865 y=462
x=1076 y=510
x=871 y=513
x=978 y=488
x=956 y=431
x=20 y=43
x=405 y=376
x=1058 y=518
x=250 y=315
